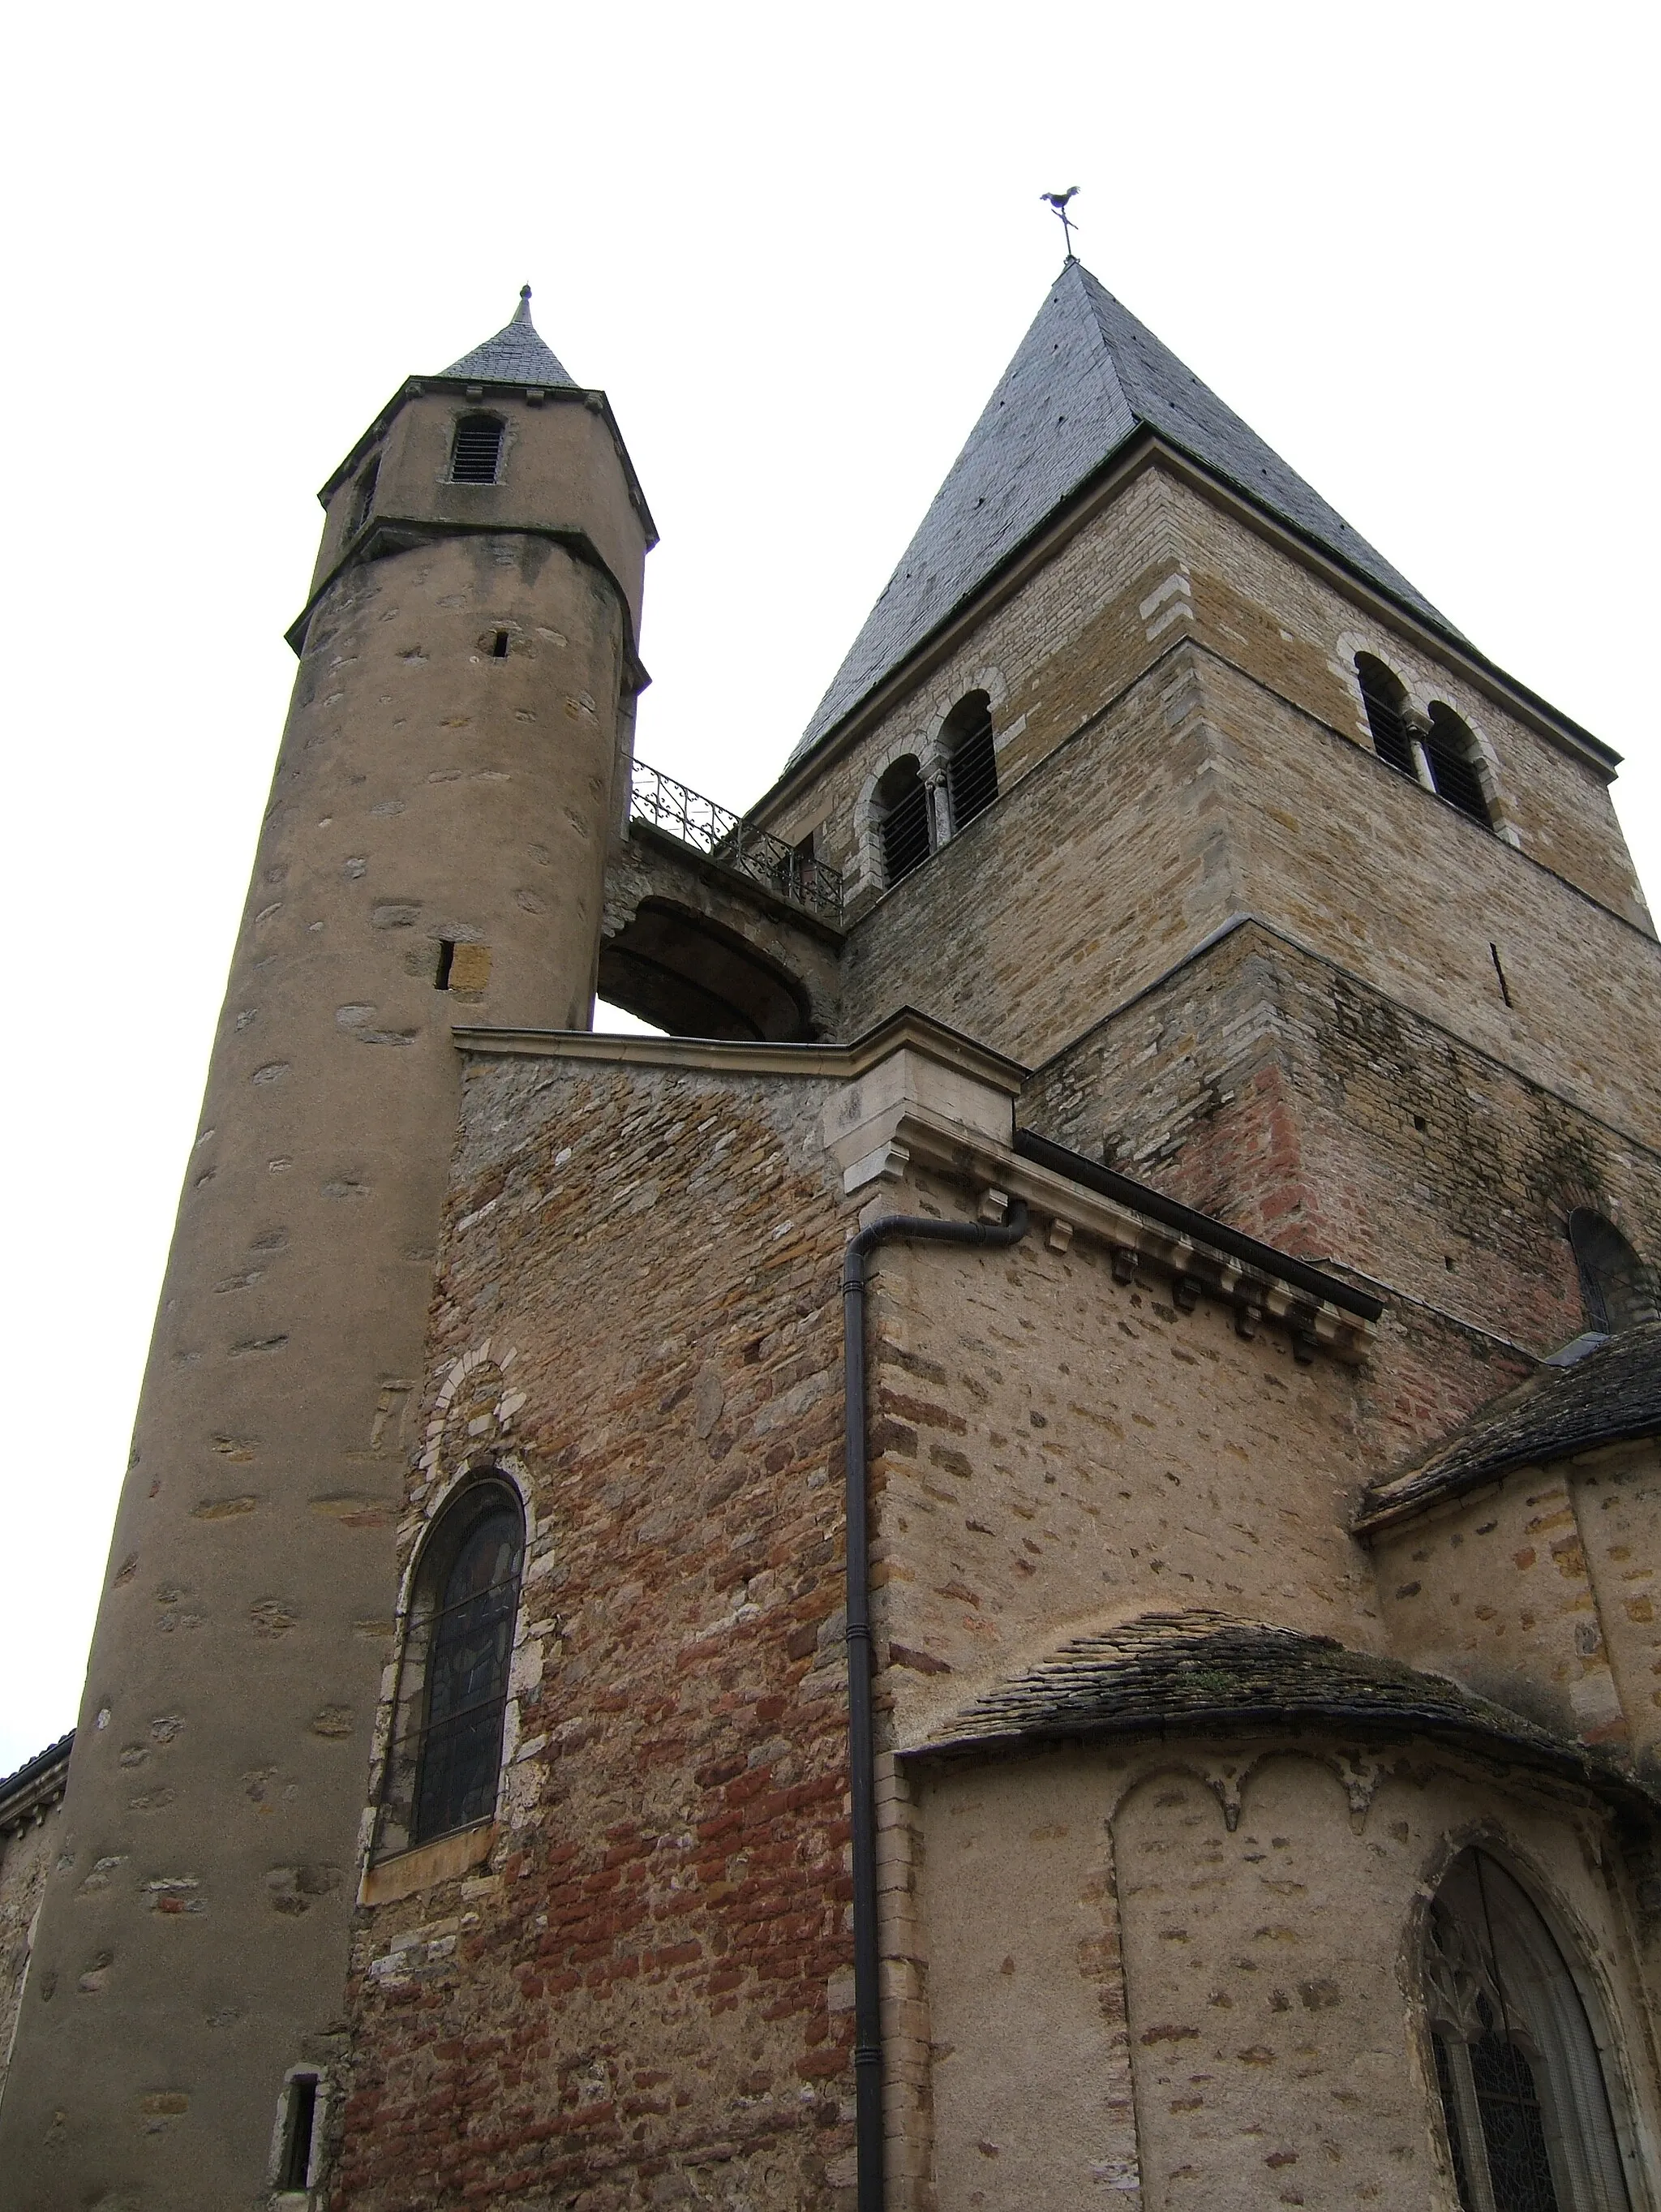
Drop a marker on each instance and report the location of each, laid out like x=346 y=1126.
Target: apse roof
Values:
x=1610 y=1395
x=1199 y=1670
x=517 y=355
x=1084 y=379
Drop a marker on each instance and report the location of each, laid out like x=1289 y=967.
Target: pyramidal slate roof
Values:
x=1086 y=376
x=517 y=355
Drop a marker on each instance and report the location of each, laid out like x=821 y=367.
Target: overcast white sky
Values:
x=1413 y=246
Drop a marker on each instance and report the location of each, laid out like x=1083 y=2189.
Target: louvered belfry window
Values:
x=971 y=762
x=478 y=450
x=1452 y=751
x=902 y=801
x=1384 y=698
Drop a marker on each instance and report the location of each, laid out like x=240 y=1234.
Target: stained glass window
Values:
x=467 y=1636
x=1526 y=2108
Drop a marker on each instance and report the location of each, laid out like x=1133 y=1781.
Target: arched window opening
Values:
x=971 y=758
x=1616 y=1288
x=1384 y=697
x=1523 y=2091
x=902 y=818
x=363 y=499
x=1452 y=751
x=447 y=1751
x=477 y=451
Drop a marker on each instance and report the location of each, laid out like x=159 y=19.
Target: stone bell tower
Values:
x=432 y=850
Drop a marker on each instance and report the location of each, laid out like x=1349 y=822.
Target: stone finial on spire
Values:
x=522 y=313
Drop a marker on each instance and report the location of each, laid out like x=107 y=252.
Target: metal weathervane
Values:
x=1058 y=202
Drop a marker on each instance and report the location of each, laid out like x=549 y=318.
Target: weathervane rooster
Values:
x=1058 y=202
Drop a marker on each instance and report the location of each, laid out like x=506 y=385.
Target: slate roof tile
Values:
x=1084 y=379
x=1200 y=1670
x=12 y=1785
x=517 y=355
x=1611 y=1395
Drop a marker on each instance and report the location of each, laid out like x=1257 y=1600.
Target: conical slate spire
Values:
x=515 y=355
x=1084 y=378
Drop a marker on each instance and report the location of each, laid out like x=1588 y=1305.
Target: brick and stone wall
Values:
x=31 y=1836
x=640 y=1995
x=1289 y=1096
x=637 y=1991
x=1540 y=1590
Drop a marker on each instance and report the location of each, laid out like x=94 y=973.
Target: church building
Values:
x=1012 y=1567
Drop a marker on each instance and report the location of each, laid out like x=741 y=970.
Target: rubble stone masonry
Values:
x=639 y=1991
x=646 y=1983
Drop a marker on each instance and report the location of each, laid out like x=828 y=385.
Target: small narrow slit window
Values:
x=796 y=874
x=363 y=499
x=446 y=963
x=499 y=645
x=300 y=2122
x=1384 y=697
x=476 y=455
x=971 y=759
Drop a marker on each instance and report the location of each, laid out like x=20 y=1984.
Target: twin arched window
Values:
x=1438 y=750
x=475 y=455
x=912 y=821
x=445 y=1754
x=1523 y=2095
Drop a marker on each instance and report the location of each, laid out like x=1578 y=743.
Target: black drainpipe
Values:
x=910 y=1229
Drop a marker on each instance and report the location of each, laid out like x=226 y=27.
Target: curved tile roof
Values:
x=1610 y=1395
x=517 y=355
x=1202 y=1670
x=1086 y=376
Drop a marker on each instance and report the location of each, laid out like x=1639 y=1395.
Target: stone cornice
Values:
x=30 y=1794
x=906 y=1030
x=1318 y=1314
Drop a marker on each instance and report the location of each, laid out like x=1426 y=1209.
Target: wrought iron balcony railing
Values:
x=732 y=841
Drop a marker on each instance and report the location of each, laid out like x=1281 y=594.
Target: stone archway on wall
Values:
x=687 y=974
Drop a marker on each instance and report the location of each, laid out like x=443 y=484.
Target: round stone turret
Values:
x=433 y=852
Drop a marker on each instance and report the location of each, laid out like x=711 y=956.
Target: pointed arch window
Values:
x=1616 y=1288
x=901 y=800
x=446 y=1756
x=476 y=457
x=1452 y=753
x=1384 y=697
x=1525 y=2099
x=971 y=759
